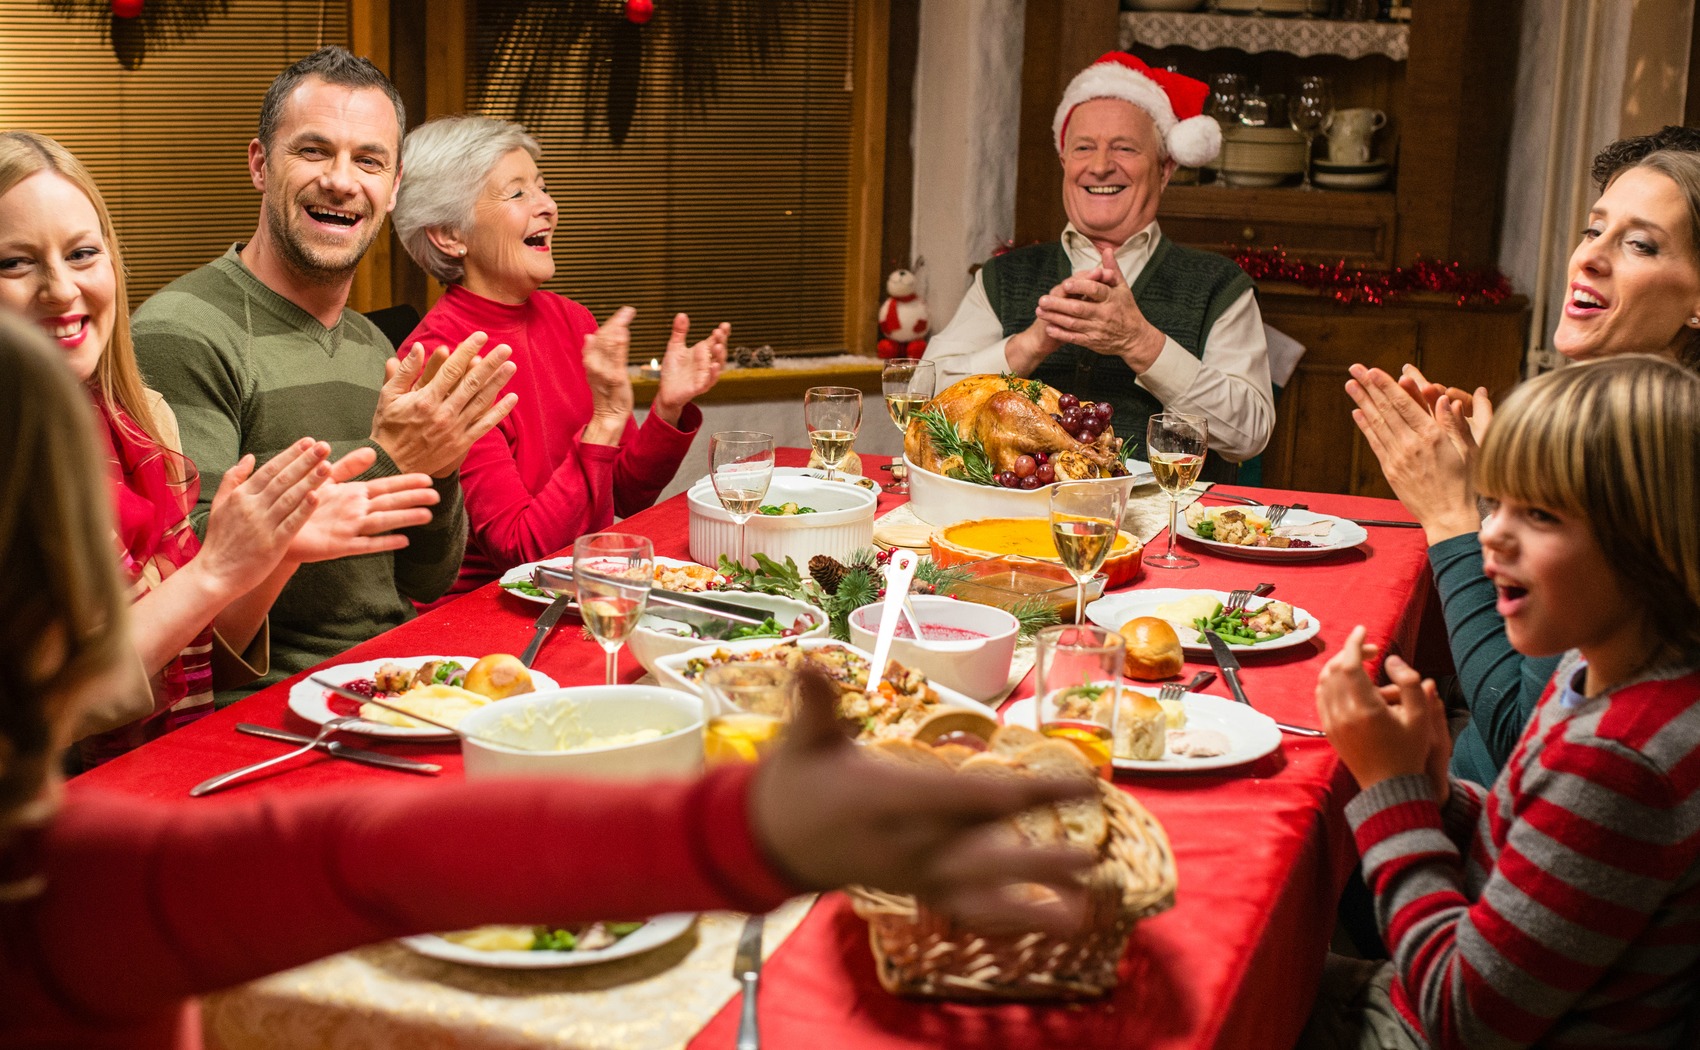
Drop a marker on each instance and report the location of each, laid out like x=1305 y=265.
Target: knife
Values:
x=746 y=967
x=342 y=750
x=545 y=624
x=677 y=599
x=1230 y=666
x=1386 y=524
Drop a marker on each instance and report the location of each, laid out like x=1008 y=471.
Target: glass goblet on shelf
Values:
x=740 y=469
x=908 y=386
x=1086 y=516
x=612 y=572
x=1176 y=444
x=1306 y=111
x=832 y=415
x=1078 y=676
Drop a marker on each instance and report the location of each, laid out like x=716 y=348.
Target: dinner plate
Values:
x=314 y=704
x=658 y=931
x=523 y=572
x=1251 y=734
x=1343 y=536
x=1113 y=610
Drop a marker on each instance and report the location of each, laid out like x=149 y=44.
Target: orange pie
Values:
x=1028 y=538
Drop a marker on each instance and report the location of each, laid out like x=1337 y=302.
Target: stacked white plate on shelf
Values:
x=1261 y=157
x=1351 y=176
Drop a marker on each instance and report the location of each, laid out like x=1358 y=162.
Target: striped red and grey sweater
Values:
x=1561 y=908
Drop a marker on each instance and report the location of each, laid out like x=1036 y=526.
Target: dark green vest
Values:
x=1181 y=291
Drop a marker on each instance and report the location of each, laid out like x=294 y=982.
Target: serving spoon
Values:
x=899 y=573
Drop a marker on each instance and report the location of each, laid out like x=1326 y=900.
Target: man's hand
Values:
x=831 y=816
x=605 y=354
x=688 y=372
x=1385 y=732
x=255 y=515
x=431 y=410
x=1096 y=310
x=1423 y=460
x=361 y=517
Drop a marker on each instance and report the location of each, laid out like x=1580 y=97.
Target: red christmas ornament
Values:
x=126 y=8
x=637 y=11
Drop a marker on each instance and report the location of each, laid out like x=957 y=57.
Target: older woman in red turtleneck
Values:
x=474 y=212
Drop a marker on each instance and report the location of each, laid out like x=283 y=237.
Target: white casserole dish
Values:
x=939 y=500
x=842 y=524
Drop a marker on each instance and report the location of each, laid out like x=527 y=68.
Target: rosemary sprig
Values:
x=1030 y=387
x=976 y=466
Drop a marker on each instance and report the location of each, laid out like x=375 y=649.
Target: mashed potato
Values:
x=447 y=704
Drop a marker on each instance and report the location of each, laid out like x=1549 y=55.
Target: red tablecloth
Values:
x=1262 y=852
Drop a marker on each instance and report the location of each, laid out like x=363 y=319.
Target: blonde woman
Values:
x=202 y=602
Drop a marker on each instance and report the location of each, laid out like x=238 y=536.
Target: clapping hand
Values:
x=1096 y=310
x=1449 y=402
x=1386 y=731
x=255 y=515
x=1423 y=454
x=831 y=816
x=687 y=372
x=605 y=354
x=361 y=517
x=432 y=408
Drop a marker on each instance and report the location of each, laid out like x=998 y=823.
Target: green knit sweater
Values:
x=1181 y=292
x=248 y=371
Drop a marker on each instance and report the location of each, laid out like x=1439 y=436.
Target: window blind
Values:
x=736 y=212
x=167 y=142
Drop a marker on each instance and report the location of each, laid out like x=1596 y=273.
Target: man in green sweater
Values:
x=1113 y=310
x=258 y=347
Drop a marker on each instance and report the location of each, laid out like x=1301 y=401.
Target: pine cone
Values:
x=827 y=571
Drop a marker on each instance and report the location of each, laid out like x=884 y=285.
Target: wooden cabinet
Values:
x=1356 y=227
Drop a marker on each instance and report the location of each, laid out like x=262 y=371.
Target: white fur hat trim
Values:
x=1192 y=142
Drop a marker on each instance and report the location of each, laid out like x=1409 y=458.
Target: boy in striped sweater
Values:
x=1561 y=908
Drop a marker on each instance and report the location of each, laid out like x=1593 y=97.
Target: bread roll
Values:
x=1142 y=728
x=1153 y=651
x=498 y=676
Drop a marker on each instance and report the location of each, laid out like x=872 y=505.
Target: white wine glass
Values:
x=1176 y=445
x=752 y=703
x=833 y=414
x=612 y=572
x=1306 y=111
x=908 y=386
x=1085 y=518
x=740 y=468
x=1078 y=675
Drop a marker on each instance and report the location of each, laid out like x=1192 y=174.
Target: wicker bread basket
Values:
x=922 y=954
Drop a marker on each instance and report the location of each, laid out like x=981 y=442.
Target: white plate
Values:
x=314 y=704
x=1251 y=734
x=669 y=670
x=565 y=564
x=1342 y=537
x=1113 y=610
x=656 y=932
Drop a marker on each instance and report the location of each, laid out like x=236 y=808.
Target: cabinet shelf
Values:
x=1252 y=34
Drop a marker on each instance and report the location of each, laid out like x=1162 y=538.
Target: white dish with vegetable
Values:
x=675 y=574
x=839 y=523
x=1183 y=608
x=661 y=633
x=1244 y=532
x=316 y=705
x=468 y=946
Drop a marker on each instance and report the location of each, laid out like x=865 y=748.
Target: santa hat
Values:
x=1176 y=104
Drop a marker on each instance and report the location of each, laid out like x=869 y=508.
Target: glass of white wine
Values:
x=833 y=414
x=613 y=572
x=740 y=468
x=1085 y=518
x=1078 y=674
x=1176 y=444
x=908 y=386
x=752 y=703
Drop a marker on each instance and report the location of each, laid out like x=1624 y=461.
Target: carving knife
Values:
x=342 y=750
x=1230 y=665
x=545 y=624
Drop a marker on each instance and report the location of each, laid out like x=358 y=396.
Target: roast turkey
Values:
x=1003 y=416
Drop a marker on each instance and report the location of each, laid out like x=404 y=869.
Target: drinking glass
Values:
x=833 y=414
x=1078 y=672
x=752 y=703
x=1085 y=517
x=1176 y=444
x=908 y=386
x=612 y=572
x=740 y=468
x=1306 y=111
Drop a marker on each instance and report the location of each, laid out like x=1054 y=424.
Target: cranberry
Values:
x=1025 y=466
x=1030 y=482
x=1068 y=401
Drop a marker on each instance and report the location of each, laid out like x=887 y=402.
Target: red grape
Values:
x=1008 y=479
x=1104 y=411
x=1068 y=401
x=1031 y=481
x=1071 y=418
x=1041 y=458
x=1046 y=474
x=1025 y=466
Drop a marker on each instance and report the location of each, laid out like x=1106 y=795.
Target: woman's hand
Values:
x=687 y=372
x=831 y=816
x=361 y=517
x=1418 y=455
x=1381 y=733
x=256 y=514
x=605 y=354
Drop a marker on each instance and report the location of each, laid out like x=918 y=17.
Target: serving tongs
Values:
x=693 y=609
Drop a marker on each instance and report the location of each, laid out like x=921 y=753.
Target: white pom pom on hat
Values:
x=1175 y=103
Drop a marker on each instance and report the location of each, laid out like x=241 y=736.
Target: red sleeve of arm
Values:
x=649 y=457
x=204 y=896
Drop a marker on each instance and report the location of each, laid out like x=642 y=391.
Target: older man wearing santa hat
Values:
x=1114 y=311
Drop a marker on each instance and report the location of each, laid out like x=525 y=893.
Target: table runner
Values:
x=1262 y=852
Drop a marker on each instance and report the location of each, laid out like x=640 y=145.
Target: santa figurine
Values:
x=903 y=318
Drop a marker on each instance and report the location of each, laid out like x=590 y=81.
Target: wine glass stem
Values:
x=1079 y=600
x=613 y=665
x=1310 y=148
x=1174 y=512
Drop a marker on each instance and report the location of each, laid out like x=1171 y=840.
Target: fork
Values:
x=1276 y=513
x=1171 y=692
x=1237 y=599
x=207 y=787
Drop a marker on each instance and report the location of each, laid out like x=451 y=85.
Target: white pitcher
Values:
x=1349 y=134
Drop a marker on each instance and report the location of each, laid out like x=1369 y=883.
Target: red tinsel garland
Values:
x=1349 y=284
